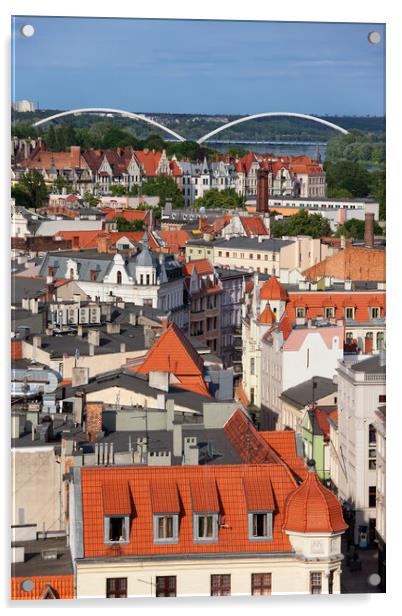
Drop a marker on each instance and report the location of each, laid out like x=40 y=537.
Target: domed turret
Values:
x=312 y=508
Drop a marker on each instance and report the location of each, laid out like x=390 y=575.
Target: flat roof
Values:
x=35 y=565
x=302 y=394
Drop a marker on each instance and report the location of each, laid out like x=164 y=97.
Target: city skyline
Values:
x=332 y=67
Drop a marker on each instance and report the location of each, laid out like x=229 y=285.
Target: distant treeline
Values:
x=194 y=126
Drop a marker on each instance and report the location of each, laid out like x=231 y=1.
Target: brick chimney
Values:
x=262 y=190
x=93 y=424
x=75 y=155
x=103 y=242
x=76 y=243
x=369 y=230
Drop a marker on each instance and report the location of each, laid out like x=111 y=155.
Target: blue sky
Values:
x=189 y=66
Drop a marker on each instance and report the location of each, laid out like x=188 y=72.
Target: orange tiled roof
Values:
x=253 y=225
x=259 y=496
x=116 y=499
x=202 y=266
x=283 y=442
x=149 y=160
x=240 y=395
x=129 y=214
x=272 y=289
x=352 y=263
x=173 y=353
x=313 y=508
x=267 y=316
x=192 y=383
x=61 y=586
x=233 y=535
x=86 y=239
x=204 y=495
x=316 y=301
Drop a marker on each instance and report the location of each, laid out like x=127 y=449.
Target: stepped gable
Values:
x=273 y=290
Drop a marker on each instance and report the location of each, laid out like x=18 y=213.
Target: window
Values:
x=166 y=528
x=382 y=398
x=375 y=313
x=219 y=253
x=118 y=277
x=220 y=585
x=331 y=583
x=205 y=527
x=93 y=274
x=71 y=272
x=147 y=302
x=251 y=256
x=372 y=454
x=372 y=496
x=258 y=256
x=261 y=583
x=116 y=588
x=166 y=586
x=117 y=529
x=372 y=435
x=329 y=313
x=349 y=313
x=252 y=366
x=315 y=582
x=300 y=312
x=260 y=525
x=380 y=340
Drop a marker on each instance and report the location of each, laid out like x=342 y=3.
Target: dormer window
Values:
x=260 y=525
x=205 y=527
x=117 y=529
x=166 y=510
x=300 y=313
x=118 y=277
x=205 y=504
x=260 y=507
x=116 y=511
x=329 y=312
x=375 y=312
x=349 y=313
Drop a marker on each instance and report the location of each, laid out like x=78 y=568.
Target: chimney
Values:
x=113 y=328
x=94 y=337
x=369 y=230
x=122 y=347
x=75 y=155
x=37 y=342
x=177 y=439
x=15 y=426
x=80 y=331
x=103 y=242
x=164 y=324
x=76 y=243
x=262 y=190
x=169 y=414
x=93 y=422
x=343 y=242
x=191 y=451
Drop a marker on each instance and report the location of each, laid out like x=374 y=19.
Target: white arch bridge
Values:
x=144 y=118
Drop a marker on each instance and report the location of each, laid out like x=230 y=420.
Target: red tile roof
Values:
x=149 y=160
x=128 y=214
x=60 y=586
x=233 y=534
x=116 y=499
x=283 y=442
x=173 y=353
x=164 y=496
x=352 y=263
x=316 y=301
x=202 y=266
x=259 y=496
x=204 y=495
x=272 y=289
x=253 y=225
x=267 y=316
x=312 y=508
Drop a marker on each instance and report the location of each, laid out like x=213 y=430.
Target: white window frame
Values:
x=175 y=527
x=268 y=536
x=126 y=523
x=214 y=537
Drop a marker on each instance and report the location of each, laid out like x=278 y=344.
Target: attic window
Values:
x=329 y=312
x=117 y=529
x=260 y=525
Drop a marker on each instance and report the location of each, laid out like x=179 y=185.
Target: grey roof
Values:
x=88 y=260
x=135 y=382
x=302 y=394
x=254 y=243
x=224 y=273
x=58 y=345
x=212 y=439
x=35 y=565
x=372 y=365
x=24 y=322
x=26 y=287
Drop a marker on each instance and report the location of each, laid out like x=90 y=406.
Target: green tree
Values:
x=118 y=191
x=354 y=228
x=301 y=223
x=50 y=139
x=91 y=200
x=31 y=189
x=125 y=225
x=154 y=142
x=347 y=175
x=339 y=193
x=165 y=188
x=218 y=199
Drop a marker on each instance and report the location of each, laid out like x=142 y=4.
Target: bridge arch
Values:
x=270 y=114
x=127 y=114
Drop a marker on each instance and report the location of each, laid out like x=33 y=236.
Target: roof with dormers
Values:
x=312 y=508
x=237 y=487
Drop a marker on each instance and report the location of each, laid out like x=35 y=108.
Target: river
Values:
x=292 y=148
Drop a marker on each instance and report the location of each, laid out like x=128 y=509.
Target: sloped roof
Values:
x=352 y=263
x=272 y=289
x=312 y=508
x=232 y=537
x=267 y=317
x=61 y=586
x=253 y=225
x=316 y=301
x=202 y=266
x=172 y=353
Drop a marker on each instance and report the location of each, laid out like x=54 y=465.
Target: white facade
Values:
x=360 y=392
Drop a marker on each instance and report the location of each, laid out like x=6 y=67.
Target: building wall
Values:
x=127 y=397
x=303 y=253
x=36 y=488
x=358 y=400
x=257 y=260
x=193 y=577
x=199 y=252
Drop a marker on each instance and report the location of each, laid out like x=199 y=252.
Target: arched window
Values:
x=380 y=340
x=71 y=272
x=119 y=277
